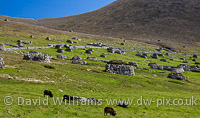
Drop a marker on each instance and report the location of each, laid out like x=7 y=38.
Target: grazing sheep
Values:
x=67 y=97
x=49 y=93
x=109 y=110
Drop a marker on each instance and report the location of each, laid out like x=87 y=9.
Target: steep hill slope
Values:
x=171 y=23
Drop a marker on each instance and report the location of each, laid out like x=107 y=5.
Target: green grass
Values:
x=91 y=81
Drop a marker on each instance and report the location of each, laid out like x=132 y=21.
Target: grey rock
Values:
x=104 y=56
x=76 y=58
x=133 y=64
x=79 y=62
x=69 y=41
x=177 y=76
x=61 y=56
x=122 y=43
x=195 y=56
x=60 y=51
x=88 y=52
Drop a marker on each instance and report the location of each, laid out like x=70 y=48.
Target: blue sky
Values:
x=49 y=8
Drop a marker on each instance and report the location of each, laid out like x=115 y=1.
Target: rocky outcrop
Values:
x=37 y=56
x=120 y=69
x=78 y=60
x=177 y=76
x=2 y=64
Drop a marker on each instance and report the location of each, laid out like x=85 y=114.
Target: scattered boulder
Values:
x=48 y=39
x=119 y=67
x=91 y=50
x=69 y=41
x=164 y=60
x=197 y=63
x=58 y=46
x=194 y=60
x=122 y=43
x=178 y=70
x=88 y=52
x=155 y=56
x=104 y=56
x=172 y=59
x=185 y=61
x=133 y=64
x=2 y=47
x=79 y=62
x=61 y=56
x=76 y=58
x=195 y=56
x=159 y=67
x=152 y=64
x=60 y=51
x=2 y=64
x=177 y=76
x=182 y=58
x=37 y=56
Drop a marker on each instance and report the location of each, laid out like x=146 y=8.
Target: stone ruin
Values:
x=78 y=60
x=119 y=67
x=37 y=56
x=2 y=47
x=2 y=64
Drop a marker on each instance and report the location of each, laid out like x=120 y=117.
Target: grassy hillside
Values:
x=90 y=81
x=175 y=23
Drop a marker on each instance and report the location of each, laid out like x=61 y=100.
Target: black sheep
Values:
x=109 y=110
x=49 y=93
